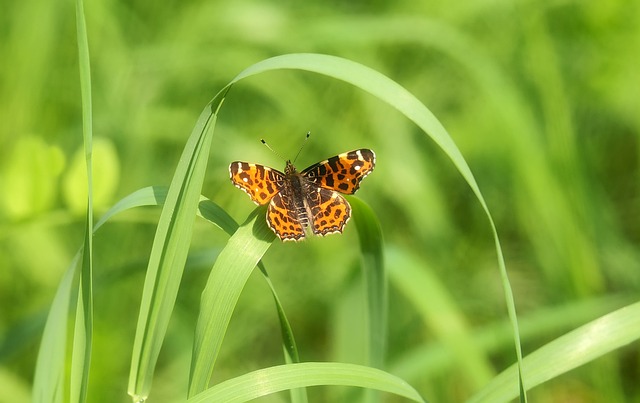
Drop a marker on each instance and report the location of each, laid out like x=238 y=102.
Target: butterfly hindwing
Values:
x=330 y=211
x=283 y=220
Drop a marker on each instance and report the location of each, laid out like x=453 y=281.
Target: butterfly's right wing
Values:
x=259 y=182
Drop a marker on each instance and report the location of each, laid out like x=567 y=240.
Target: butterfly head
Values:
x=290 y=169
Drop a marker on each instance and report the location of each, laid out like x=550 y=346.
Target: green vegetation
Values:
x=418 y=299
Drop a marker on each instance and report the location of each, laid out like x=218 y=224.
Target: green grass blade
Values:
x=270 y=380
x=169 y=253
x=567 y=352
x=213 y=213
x=289 y=347
x=83 y=332
x=48 y=382
x=148 y=196
x=370 y=237
x=226 y=281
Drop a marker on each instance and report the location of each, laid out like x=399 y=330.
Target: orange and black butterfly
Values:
x=309 y=200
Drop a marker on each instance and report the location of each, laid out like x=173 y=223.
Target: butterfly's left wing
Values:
x=344 y=172
x=259 y=182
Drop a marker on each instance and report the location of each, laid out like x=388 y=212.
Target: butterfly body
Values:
x=307 y=201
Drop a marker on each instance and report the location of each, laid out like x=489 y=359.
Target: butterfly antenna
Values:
x=272 y=150
x=302 y=146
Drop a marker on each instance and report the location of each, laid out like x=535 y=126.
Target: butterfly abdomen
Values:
x=294 y=189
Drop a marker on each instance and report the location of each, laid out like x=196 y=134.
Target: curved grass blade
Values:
x=395 y=95
x=275 y=379
x=169 y=252
x=226 y=281
x=567 y=352
x=148 y=196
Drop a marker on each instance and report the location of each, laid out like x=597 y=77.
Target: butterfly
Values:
x=308 y=201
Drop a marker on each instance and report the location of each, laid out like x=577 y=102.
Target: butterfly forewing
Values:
x=259 y=182
x=344 y=172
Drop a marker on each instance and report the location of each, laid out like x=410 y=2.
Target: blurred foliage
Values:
x=541 y=97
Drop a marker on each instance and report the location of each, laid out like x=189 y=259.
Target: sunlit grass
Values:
x=537 y=98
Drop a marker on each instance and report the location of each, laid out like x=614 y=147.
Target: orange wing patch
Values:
x=259 y=182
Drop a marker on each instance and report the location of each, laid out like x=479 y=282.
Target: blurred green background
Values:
x=541 y=97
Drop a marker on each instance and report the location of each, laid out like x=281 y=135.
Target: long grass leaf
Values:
x=83 y=332
x=226 y=281
x=169 y=253
x=270 y=380
x=567 y=352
